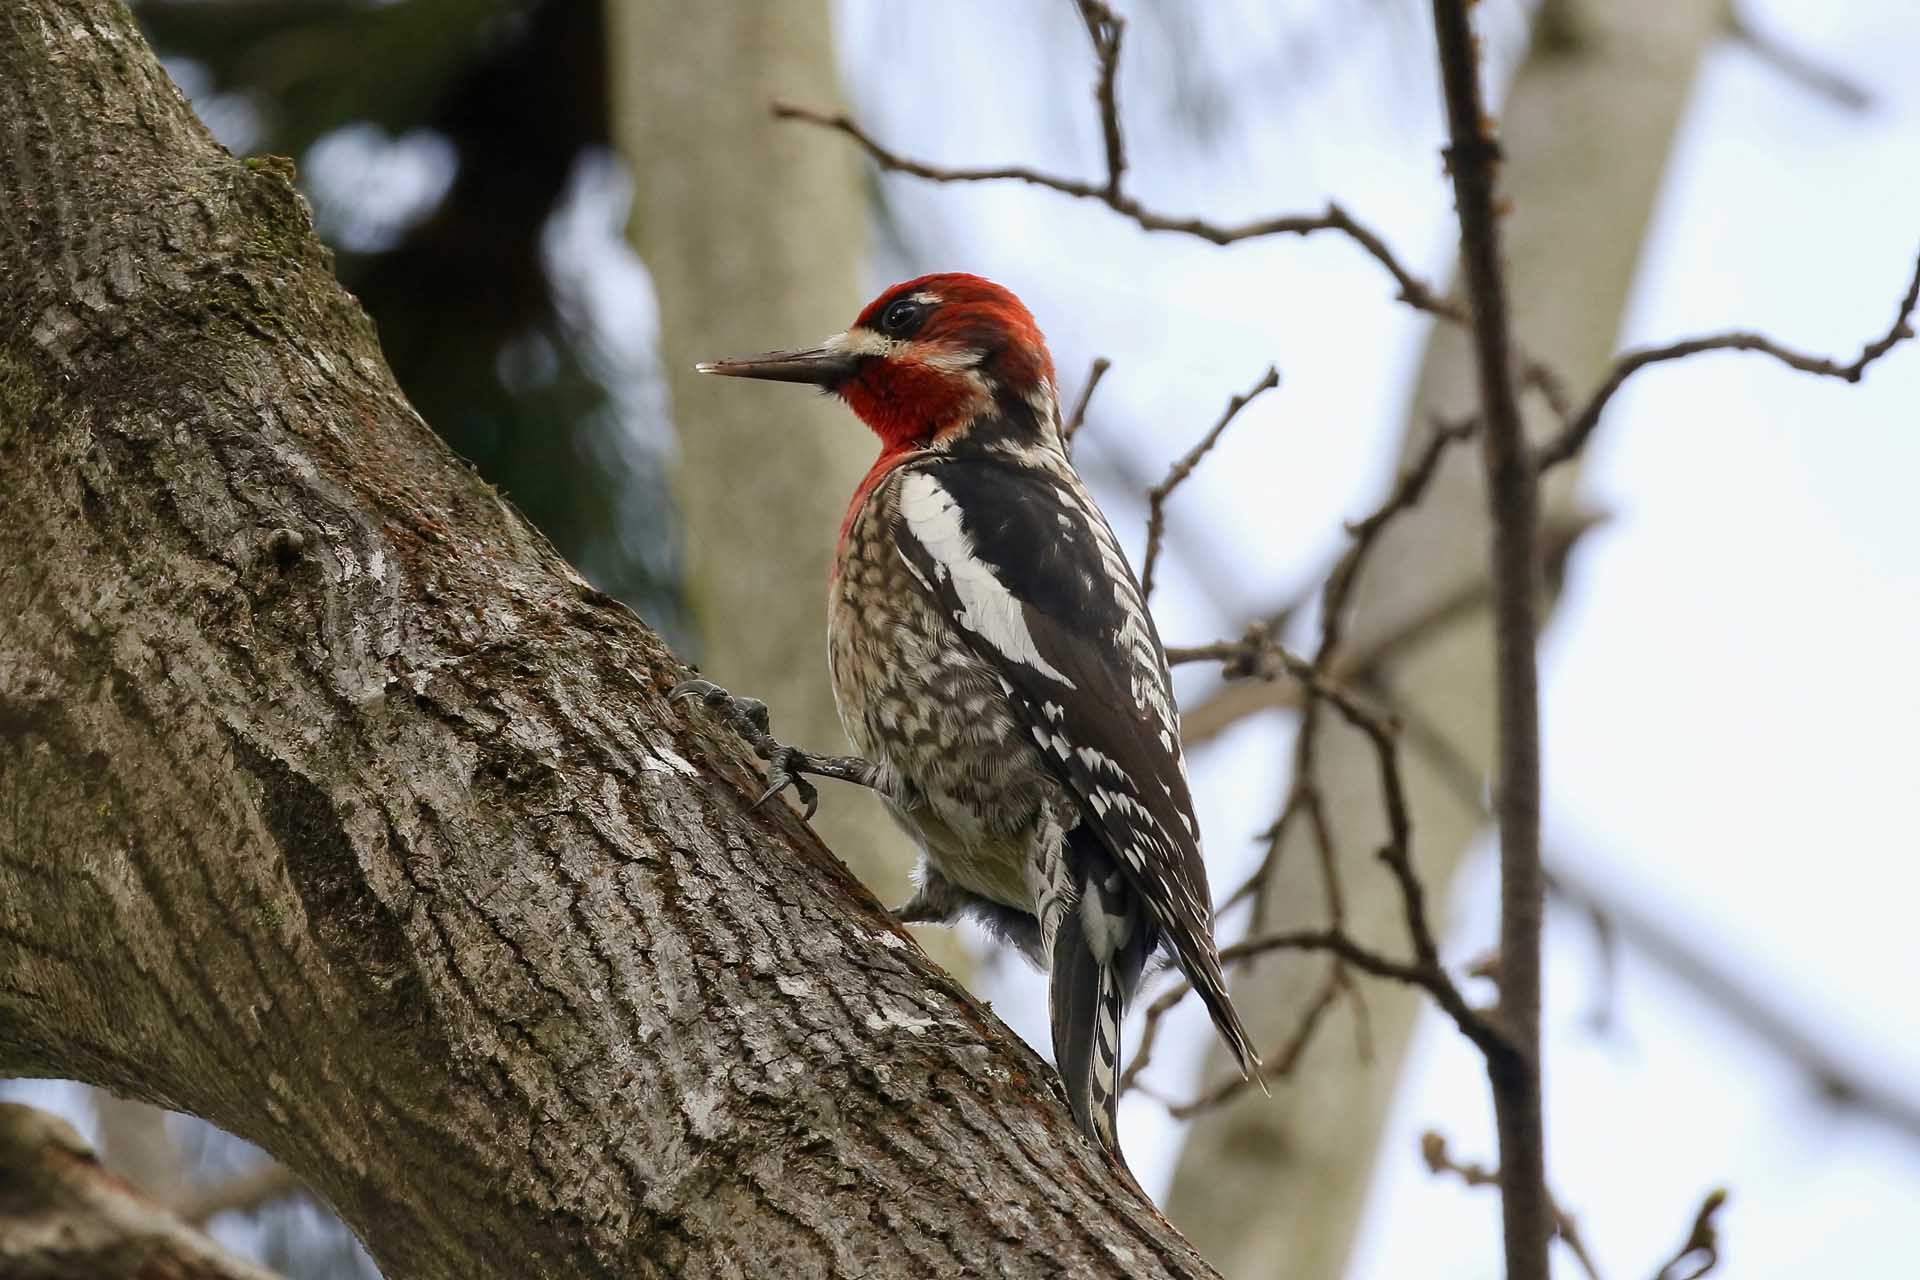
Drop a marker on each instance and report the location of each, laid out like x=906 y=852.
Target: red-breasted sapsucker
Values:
x=998 y=672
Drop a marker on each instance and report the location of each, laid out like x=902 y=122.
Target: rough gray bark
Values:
x=336 y=809
x=1275 y=1189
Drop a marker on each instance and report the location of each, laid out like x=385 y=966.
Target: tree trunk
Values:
x=335 y=808
x=1276 y=1189
x=135 y=1144
x=754 y=233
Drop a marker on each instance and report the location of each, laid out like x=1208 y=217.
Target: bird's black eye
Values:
x=902 y=317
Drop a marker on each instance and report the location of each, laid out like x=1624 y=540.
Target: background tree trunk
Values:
x=335 y=808
x=134 y=1143
x=1270 y=1189
x=754 y=234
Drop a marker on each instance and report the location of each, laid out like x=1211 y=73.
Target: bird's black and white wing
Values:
x=1022 y=563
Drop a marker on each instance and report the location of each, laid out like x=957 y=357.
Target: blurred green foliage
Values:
x=480 y=333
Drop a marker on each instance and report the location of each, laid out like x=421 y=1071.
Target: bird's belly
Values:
x=913 y=697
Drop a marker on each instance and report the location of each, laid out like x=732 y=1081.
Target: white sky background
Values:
x=1730 y=695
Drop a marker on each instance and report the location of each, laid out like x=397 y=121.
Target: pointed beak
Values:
x=822 y=366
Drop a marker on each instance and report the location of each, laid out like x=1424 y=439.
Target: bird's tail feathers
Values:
x=1099 y=951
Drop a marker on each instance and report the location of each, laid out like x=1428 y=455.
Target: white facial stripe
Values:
x=859 y=342
x=987 y=608
x=947 y=359
x=867 y=342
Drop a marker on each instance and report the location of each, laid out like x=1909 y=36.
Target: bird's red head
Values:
x=923 y=361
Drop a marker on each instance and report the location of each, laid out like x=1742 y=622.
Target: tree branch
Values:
x=1182 y=469
x=1433 y=1150
x=1703 y=1239
x=1078 y=418
x=336 y=809
x=1580 y=427
x=1106 y=28
x=1472 y=155
x=1413 y=291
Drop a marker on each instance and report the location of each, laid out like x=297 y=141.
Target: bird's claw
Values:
x=749 y=715
x=786 y=771
x=693 y=688
x=751 y=719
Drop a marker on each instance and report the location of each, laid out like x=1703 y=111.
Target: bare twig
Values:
x=1408 y=488
x=1334 y=942
x=1703 y=1240
x=1407 y=491
x=1105 y=28
x=1568 y=443
x=1357 y=668
x=1259 y=653
x=1078 y=418
x=1433 y=1150
x=1798 y=66
x=1619 y=921
x=1413 y=291
x=1182 y=468
x=1472 y=156
x=1276 y=1065
x=1426 y=969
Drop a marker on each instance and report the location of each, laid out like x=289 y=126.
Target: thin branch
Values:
x=1619 y=921
x=1333 y=942
x=1078 y=418
x=1413 y=291
x=1702 y=1239
x=1433 y=1150
x=1182 y=469
x=1408 y=489
x=1568 y=443
x=1426 y=969
x=1472 y=158
x=1105 y=28
x=1797 y=65
x=1359 y=668
x=1277 y=1064
x=1397 y=854
x=1260 y=653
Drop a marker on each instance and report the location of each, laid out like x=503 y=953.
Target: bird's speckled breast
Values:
x=912 y=694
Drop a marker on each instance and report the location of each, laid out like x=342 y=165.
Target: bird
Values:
x=999 y=675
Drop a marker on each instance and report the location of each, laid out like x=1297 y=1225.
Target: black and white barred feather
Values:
x=1009 y=546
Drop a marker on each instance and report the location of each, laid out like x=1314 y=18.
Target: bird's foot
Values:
x=786 y=766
